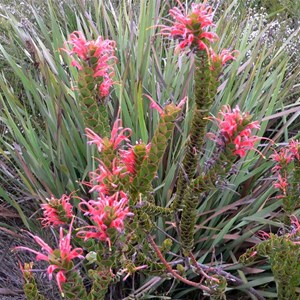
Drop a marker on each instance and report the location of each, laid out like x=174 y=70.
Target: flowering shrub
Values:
x=114 y=227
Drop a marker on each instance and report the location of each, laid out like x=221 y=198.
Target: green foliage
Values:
x=30 y=287
x=74 y=288
x=283 y=253
x=101 y=278
x=292 y=200
x=218 y=288
x=158 y=146
x=94 y=113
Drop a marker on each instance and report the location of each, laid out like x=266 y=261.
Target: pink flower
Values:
x=57 y=211
x=191 y=29
x=263 y=235
x=159 y=109
x=294 y=148
x=106 y=212
x=156 y=106
x=117 y=137
x=243 y=144
x=221 y=59
x=98 y=54
x=105 y=180
x=281 y=184
x=105 y=86
x=235 y=128
x=295 y=225
x=60 y=278
x=60 y=258
x=128 y=159
x=282 y=158
x=79 y=43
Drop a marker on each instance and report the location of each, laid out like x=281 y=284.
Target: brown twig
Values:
x=173 y=272
x=233 y=279
x=200 y=270
x=229 y=277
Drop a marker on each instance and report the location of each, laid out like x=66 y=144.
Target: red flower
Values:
x=106 y=212
x=235 y=128
x=191 y=29
x=98 y=54
x=57 y=211
x=60 y=258
x=105 y=86
x=117 y=137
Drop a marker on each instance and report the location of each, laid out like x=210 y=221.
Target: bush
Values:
x=45 y=153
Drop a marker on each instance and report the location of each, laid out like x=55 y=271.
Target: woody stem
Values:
x=173 y=272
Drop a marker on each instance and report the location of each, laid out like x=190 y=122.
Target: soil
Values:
x=11 y=281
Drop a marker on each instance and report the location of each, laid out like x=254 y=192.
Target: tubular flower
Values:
x=59 y=259
x=263 y=235
x=220 y=59
x=98 y=54
x=282 y=158
x=295 y=226
x=294 y=147
x=107 y=212
x=160 y=110
x=235 y=128
x=118 y=135
x=57 y=211
x=104 y=180
x=128 y=159
x=281 y=184
x=191 y=29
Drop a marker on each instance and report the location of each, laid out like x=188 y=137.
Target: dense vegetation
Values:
x=43 y=149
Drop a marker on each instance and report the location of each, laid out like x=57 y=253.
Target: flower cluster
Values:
x=235 y=129
x=57 y=211
x=106 y=212
x=191 y=30
x=283 y=159
x=60 y=258
x=110 y=181
x=98 y=54
x=119 y=163
x=118 y=135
